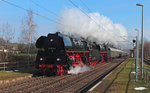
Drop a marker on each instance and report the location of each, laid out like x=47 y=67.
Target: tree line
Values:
x=26 y=39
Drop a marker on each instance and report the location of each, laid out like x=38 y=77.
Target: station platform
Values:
x=121 y=80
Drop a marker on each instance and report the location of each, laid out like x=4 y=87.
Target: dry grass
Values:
x=10 y=75
x=22 y=72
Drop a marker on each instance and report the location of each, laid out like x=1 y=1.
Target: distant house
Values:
x=15 y=49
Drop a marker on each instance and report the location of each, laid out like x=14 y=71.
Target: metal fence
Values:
x=147 y=77
x=3 y=66
x=15 y=65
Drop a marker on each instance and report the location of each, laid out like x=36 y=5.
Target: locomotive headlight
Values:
x=58 y=59
x=51 y=40
x=41 y=59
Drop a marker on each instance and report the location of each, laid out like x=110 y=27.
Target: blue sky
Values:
x=123 y=12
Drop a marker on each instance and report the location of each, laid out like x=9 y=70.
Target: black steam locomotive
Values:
x=58 y=52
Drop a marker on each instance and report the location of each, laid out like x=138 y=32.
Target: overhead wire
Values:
x=43 y=8
x=79 y=8
x=86 y=6
x=42 y=16
x=50 y=11
x=88 y=15
x=90 y=11
x=84 y=12
x=98 y=24
x=35 y=13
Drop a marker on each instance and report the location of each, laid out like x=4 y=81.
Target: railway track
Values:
x=29 y=84
x=147 y=61
x=35 y=83
x=66 y=83
x=83 y=83
x=72 y=80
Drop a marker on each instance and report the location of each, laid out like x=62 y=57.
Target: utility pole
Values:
x=141 y=42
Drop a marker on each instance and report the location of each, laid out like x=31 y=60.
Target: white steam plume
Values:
x=102 y=29
x=78 y=69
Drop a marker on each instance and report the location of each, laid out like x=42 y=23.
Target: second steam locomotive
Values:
x=58 y=52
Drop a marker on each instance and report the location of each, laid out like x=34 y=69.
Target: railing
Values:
x=4 y=66
x=147 y=77
x=14 y=65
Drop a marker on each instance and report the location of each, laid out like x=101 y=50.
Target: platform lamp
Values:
x=141 y=42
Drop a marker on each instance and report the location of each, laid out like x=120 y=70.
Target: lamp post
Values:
x=141 y=41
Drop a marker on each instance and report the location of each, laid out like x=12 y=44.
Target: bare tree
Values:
x=28 y=31
x=7 y=36
x=2 y=32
